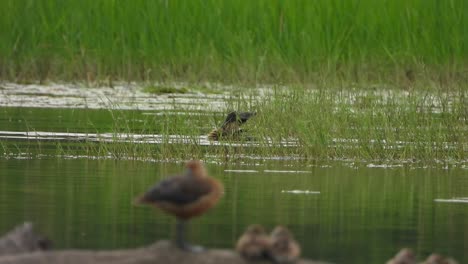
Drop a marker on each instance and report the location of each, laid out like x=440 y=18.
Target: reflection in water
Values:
x=88 y=204
x=128 y=138
x=300 y=192
x=125 y=96
x=286 y=171
x=201 y=140
x=241 y=171
x=453 y=200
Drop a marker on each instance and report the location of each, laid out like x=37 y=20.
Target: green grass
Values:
x=370 y=125
x=260 y=41
x=327 y=124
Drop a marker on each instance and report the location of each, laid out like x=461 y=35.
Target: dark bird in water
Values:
x=185 y=196
x=254 y=244
x=284 y=249
x=405 y=256
x=231 y=126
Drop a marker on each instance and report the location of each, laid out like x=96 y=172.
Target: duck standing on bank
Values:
x=231 y=126
x=185 y=196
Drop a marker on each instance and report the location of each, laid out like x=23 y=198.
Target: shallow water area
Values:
x=74 y=159
x=122 y=96
x=334 y=211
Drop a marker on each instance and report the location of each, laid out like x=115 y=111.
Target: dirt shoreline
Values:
x=23 y=245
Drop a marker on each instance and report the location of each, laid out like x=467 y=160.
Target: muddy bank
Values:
x=22 y=245
x=159 y=252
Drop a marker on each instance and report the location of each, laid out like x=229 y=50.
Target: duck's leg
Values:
x=180 y=238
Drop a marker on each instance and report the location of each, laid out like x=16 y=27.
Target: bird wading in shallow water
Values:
x=185 y=196
x=231 y=126
x=284 y=249
x=254 y=244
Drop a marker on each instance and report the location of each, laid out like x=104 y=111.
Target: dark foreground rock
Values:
x=160 y=252
x=23 y=239
x=23 y=245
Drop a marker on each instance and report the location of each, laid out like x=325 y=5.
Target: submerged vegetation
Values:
x=293 y=123
x=234 y=41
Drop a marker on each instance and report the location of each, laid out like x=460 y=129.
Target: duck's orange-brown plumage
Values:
x=284 y=249
x=404 y=256
x=435 y=258
x=185 y=196
x=254 y=243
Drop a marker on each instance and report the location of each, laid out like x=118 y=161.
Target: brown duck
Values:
x=405 y=256
x=284 y=249
x=254 y=244
x=438 y=259
x=185 y=196
x=231 y=126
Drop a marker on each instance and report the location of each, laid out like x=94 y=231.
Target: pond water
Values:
x=341 y=212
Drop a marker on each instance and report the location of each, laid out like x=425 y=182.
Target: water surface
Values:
x=344 y=214
x=53 y=173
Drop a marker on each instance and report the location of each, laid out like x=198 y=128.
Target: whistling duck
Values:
x=185 y=196
x=284 y=249
x=254 y=244
x=231 y=126
x=438 y=259
x=405 y=256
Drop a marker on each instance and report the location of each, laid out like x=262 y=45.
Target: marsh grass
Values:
x=377 y=125
x=261 y=41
